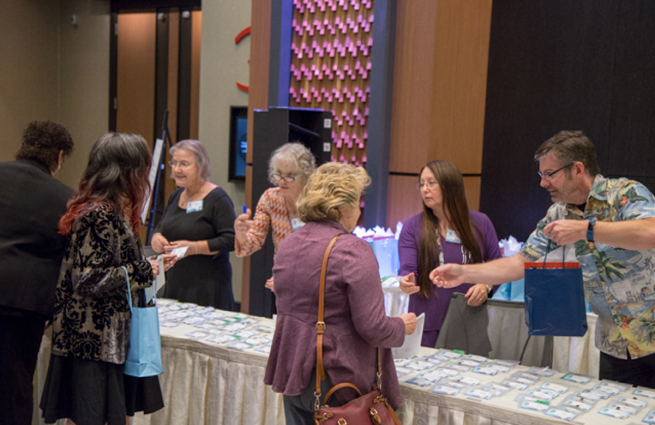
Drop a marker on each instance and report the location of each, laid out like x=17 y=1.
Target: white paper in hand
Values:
x=412 y=344
x=158 y=283
x=180 y=251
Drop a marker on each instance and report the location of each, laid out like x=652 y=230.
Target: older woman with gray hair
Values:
x=198 y=218
x=355 y=319
x=289 y=168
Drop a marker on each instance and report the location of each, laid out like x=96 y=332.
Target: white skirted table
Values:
x=576 y=355
x=207 y=382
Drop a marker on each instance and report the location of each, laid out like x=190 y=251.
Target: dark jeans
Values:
x=299 y=409
x=20 y=340
x=638 y=372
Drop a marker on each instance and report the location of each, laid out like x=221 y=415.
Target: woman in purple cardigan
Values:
x=445 y=232
x=356 y=322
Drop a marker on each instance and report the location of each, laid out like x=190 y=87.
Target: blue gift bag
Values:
x=554 y=299
x=144 y=349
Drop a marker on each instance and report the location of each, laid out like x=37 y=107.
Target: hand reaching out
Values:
x=270 y=283
x=447 y=275
x=242 y=224
x=408 y=284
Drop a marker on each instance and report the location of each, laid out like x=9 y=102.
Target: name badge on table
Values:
x=296 y=223
x=452 y=236
x=194 y=206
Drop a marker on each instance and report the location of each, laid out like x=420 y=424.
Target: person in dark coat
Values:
x=31 y=203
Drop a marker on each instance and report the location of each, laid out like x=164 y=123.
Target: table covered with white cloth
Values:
x=576 y=354
x=207 y=382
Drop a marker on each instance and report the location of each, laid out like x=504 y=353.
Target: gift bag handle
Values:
x=546 y=255
x=129 y=292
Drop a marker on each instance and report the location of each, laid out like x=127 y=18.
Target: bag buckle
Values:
x=375 y=418
x=320 y=327
x=317 y=402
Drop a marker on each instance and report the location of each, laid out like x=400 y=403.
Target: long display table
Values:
x=214 y=364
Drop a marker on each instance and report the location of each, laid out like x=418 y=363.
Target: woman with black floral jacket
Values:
x=85 y=380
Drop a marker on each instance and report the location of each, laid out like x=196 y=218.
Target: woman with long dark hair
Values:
x=445 y=232
x=85 y=380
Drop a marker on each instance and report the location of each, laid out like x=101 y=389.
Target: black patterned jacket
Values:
x=92 y=316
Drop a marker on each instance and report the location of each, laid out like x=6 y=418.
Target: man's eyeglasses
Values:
x=548 y=176
x=289 y=179
x=431 y=185
x=182 y=164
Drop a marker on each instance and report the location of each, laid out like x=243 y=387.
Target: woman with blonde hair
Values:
x=355 y=319
x=288 y=169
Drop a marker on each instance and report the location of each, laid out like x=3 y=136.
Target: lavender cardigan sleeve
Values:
x=362 y=286
x=408 y=244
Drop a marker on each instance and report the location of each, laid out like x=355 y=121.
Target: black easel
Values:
x=165 y=135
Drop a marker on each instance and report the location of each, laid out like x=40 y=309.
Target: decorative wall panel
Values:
x=330 y=67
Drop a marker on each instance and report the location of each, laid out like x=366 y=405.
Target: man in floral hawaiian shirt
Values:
x=611 y=224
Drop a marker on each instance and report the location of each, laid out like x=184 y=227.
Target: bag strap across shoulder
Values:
x=320 y=330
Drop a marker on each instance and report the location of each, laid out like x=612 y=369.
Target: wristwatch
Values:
x=489 y=289
x=590 y=230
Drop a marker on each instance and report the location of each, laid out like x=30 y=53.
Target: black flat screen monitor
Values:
x=238 y=143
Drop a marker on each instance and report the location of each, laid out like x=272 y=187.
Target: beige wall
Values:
x=83 y=79
x=54 y=70
x=222 y=64
x=29 y=68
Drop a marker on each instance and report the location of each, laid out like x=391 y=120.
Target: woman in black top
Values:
x=200 y=217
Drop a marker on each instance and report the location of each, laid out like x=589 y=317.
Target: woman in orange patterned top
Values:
x=289 y=168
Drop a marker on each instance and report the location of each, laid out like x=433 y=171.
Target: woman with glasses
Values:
x=445 y=232
x=289 y=168
x=197 y=224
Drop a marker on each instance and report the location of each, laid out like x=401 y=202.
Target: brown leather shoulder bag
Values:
x=371 y=408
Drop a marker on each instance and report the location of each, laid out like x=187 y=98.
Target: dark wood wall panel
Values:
x=260 y=44
x=173 y=59
x=411 y=112
x=440 y=75
x=135 y=79
x=562 y=65
x=632 y=126
x=459 y=82
x=260 y=41
x=194 y=115
x=440 y=79
x=551 y=64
